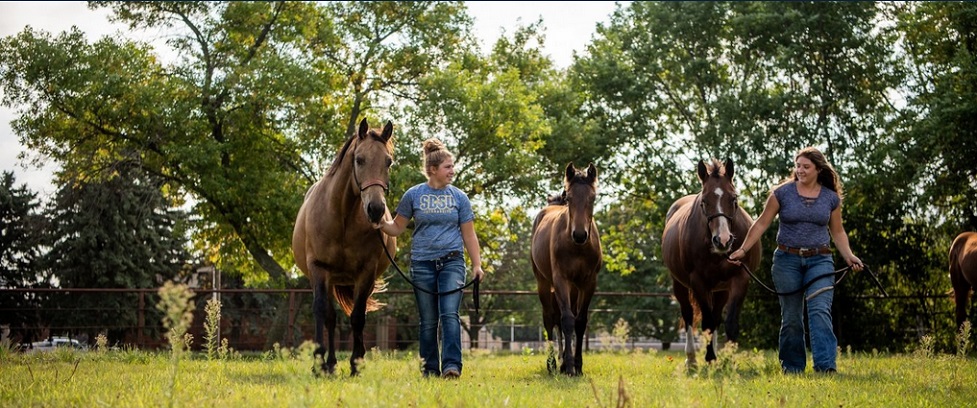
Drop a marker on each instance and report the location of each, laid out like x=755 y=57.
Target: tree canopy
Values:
x=260 y=95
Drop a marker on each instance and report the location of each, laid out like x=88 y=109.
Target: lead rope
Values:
x=473 y=283
x=843 y=272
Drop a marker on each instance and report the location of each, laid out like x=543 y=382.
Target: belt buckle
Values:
x=452 y=255
x=806 y=252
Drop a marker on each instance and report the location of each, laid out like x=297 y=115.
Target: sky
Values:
x=569 y=26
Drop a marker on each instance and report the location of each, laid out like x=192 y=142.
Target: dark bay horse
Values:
x=334 y=242
x=963 y=272
x=566 y=256
x=700 y=231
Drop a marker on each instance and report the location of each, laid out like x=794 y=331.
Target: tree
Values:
x=672 y=83
x=260 y=94
x=21 y=243
x=937 y=136
x=119 y=232
x=489 y=111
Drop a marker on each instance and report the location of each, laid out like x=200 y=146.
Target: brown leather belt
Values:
x=805 y=252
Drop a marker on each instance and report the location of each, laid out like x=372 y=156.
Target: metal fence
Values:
x=255 y=319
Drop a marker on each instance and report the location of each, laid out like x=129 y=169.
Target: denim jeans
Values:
x=439 y=275
x=790 y=272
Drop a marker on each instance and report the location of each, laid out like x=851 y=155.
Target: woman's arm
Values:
x=471 y=245
x=392 y=227
x=840 y=238
x=770 y=210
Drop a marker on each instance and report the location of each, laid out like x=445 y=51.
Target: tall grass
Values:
x=177 y=316
x=280 y=377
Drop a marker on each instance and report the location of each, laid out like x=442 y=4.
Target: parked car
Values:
x=54 y=343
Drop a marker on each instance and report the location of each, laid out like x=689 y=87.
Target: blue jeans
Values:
x=790 y=272
x=439 y=275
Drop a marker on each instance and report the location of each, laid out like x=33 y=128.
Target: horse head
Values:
x=579 y=194
x=717 y=202
x=372 y=158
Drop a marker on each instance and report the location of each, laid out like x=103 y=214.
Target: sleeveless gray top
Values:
x=803 y=220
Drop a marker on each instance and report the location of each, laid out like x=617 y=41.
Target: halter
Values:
x=370 y=183
x=709 y=218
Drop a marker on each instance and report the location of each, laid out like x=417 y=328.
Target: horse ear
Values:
x=364 y=127
x=570 y=171
x=592 y=172
x=703 y=173
x=729 y=169
x=388 y=130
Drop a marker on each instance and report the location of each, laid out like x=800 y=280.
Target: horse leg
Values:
x=550 y=320
x=737 y=294
x=681 y=294
x=319 y=312
x=358 y=321
x=717 y=304
x=330 y=366
x=567 y=322
x=710 y=317
x=582 y=308
x=961 y=291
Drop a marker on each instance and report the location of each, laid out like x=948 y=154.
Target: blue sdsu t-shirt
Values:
x=438 y=215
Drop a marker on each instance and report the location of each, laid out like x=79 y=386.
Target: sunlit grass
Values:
x=283 y=377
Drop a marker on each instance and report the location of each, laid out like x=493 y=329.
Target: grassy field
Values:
x=283 y=378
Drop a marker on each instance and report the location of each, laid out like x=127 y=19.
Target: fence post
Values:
x=291 y=319
x=142 y=318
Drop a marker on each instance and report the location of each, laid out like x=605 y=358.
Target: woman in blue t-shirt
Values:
x=443 y=227
x=809 y=205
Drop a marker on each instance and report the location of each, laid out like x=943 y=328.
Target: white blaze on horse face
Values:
x=722 y=232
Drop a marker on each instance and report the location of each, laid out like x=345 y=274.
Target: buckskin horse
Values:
x=566 y=256
x=334 y=242
x=700 y=231
x=963 y=272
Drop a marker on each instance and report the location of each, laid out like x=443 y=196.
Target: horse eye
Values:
x=360 y=161
x=390 y=162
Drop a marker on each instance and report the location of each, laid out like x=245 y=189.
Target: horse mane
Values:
x=557 y=199
x=339 y=157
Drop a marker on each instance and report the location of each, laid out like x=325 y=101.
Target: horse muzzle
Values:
x=579 y=237
x=375 y=211
x=718 y=245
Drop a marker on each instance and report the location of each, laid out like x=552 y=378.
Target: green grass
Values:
x=392 y=379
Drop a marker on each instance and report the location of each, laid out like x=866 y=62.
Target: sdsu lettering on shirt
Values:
x=437 y=204
x=438 y=215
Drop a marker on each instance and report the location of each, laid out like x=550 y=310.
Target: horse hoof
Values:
x=322 y=370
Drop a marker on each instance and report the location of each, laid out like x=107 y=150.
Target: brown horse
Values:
x=334 y=242
x=963 y=272
x=566 y=256
x=700 y=231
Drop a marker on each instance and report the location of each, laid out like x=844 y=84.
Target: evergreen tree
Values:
x=119 y=231
x=20 y=250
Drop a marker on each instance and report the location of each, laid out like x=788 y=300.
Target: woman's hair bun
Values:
x=432 y=145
